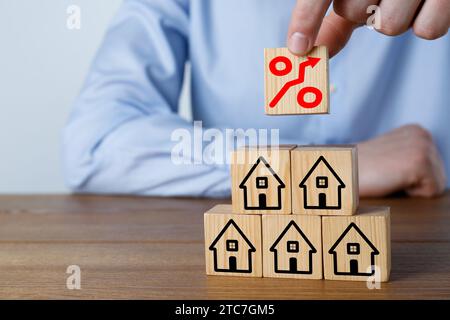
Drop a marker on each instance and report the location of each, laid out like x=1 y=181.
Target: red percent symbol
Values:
x=281 y=66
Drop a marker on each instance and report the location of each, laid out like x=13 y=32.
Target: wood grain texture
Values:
x=261 y=180
x=337 y=166
x=353 y=244
x=232 y=243
x=316 y=77
x=296 y=238
x=153 y=248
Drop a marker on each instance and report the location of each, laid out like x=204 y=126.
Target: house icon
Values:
x=259 y=181
x=292 y=251
x=232 y=250
x=322 y=183
x=355 y=257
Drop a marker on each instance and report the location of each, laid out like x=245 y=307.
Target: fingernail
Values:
x=298 y=43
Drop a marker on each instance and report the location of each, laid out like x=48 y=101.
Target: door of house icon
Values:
x=262 y=199
x=293 y=264
x=232 y=263
x=322 y=200
x=354 y=266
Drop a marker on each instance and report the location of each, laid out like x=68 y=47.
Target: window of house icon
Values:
x=292 y=246
x=232 y=245
x=262 y=182
x=353 y=248
x=322 y=182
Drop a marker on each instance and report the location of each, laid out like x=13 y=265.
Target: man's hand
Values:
x=308 y=26
x=404 y=159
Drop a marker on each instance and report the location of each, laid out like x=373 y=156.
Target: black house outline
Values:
x=250 y=250
x=280 y=186
x=305 y=194
x=310 y=253
x=372 y=254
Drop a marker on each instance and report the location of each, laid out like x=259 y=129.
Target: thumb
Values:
x=335 y=32
x=306 y=20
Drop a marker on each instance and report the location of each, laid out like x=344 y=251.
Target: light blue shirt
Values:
x=118 y=137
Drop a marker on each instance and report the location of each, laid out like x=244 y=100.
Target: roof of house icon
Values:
x=292 y=224
x=346 y=231
x=261 y=161
x=233 y=224
x=325 y=162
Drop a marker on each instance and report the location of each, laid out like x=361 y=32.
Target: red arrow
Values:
x=310 y=62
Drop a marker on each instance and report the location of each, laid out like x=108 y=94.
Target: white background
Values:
x=42 y=67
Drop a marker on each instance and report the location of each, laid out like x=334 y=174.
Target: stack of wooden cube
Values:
x=294 y=211
x=295 y=214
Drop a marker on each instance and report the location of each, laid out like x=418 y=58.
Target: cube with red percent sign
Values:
x=296 y=85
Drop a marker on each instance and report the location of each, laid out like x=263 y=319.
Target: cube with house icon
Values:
x=357 y=247
x=261 y=177
x=232 y=243
x=324 y=180
x=292 y=246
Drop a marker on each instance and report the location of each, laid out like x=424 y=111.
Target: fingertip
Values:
x=306 y=18
x=299 y=44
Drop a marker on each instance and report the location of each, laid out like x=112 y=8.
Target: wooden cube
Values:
x=296 y=85
x=261 y=180
x=324 y=180
x=232 y=243
x=353 y=245
x=292 y=246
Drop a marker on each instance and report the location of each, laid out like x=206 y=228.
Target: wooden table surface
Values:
x=152 y=248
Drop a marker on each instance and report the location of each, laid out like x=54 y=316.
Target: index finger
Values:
x=335 y=33
x=306 y=20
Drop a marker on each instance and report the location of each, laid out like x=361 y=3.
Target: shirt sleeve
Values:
x=118 y=137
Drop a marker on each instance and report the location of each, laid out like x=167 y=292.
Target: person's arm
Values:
x=309 y=26
x=118 y=138
x=405 y=159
